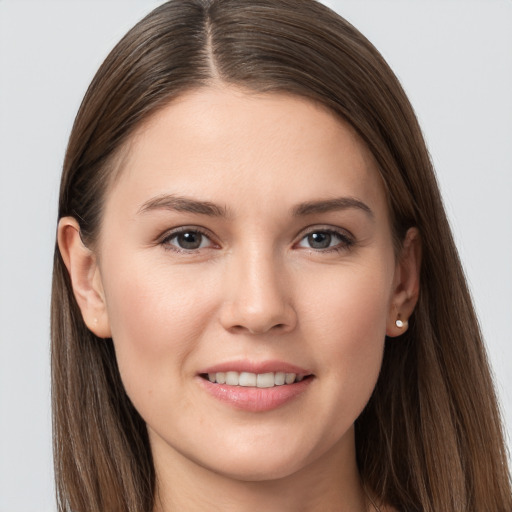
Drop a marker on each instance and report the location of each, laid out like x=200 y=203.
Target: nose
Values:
x=257 y=296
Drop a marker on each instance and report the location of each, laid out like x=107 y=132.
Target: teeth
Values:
x=289 y=378
x=265 y=380
x=260 y=380
x=247 y=379
x=232 y=378
x=280 y=378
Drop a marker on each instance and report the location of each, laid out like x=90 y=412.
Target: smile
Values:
x=258 y=380
x=255 y=387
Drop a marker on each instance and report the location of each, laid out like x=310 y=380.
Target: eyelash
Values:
x=345 y=244
x=166 y=240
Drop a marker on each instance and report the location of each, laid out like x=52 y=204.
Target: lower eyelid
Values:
x=344 y=239
x=165 y=240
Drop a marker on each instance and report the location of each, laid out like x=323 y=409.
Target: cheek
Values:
x=349 y=326
x=156 y=318
x=350 y=303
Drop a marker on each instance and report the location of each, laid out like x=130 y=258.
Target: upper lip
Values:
x=256 y=367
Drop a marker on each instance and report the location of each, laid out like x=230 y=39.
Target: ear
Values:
x=406 y=285
x=85 y=277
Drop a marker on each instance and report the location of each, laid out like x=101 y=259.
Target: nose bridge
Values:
x=258 y=298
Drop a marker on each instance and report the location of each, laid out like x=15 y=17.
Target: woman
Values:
x=256 y=292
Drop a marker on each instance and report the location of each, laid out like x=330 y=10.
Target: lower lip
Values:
x=255 y=399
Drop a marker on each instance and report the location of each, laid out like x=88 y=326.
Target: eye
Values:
x=325 y=239
x=187 y=240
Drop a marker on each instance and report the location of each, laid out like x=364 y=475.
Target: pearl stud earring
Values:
x=401 y=324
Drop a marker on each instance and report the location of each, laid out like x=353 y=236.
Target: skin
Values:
x=256 y=289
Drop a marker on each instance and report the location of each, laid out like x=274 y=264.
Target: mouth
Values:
x=255 y=387
x=255 y=380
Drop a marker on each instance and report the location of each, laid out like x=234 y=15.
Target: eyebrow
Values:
x=183 y=204
x=329 y=205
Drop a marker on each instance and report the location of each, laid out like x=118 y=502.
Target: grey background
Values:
x=454 y=59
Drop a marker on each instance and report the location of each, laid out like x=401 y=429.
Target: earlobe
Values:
x=406 y=284
x=85 y=276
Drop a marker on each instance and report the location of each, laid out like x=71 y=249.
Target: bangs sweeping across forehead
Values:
x=430 y=437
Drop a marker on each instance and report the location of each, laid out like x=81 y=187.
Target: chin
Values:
x=257 y=462
x=258 y=471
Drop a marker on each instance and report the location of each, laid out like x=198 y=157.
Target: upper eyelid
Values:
x=326 y=228
x=170 y=233
x=164 y=240
x=346 y=239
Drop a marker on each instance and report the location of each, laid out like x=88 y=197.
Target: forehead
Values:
x=223 y=142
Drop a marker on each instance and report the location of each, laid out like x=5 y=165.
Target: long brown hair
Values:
x=430 y=438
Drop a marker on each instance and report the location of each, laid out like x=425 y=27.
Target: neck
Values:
x=328 y=484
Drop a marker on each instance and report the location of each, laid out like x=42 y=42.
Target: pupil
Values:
x=319 y=240
x=189 y=240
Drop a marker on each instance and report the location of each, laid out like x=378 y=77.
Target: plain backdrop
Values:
x=454 y=59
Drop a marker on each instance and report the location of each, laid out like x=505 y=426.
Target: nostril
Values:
x=264 y=329
x=241 y=316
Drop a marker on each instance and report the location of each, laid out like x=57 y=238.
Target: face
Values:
x=247 y=242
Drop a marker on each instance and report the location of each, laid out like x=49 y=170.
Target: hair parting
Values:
x=430 y=438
